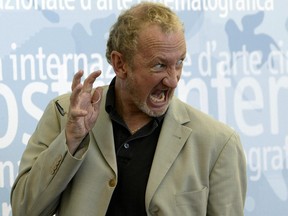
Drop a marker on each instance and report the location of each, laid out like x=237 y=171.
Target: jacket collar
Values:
x=172 y=138
x=103 y=134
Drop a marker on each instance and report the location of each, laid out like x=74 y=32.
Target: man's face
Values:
x=156 y=69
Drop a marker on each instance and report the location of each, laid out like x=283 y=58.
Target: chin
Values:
x=153 y=112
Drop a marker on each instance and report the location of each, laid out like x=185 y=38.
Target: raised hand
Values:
x=83 y=110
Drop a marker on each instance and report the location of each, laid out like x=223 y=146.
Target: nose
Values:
x=171 y=80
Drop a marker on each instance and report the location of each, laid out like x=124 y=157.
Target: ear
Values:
x=119 y=65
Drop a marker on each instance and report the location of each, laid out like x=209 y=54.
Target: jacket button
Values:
x=112 y=182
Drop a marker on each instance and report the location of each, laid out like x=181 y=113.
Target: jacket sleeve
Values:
x=228 y=181
x=46 y=167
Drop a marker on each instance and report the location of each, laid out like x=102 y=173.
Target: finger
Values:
x=76 y=79
x=88 y=82
x=74 y=110
x=97 y=96
x=75 y=94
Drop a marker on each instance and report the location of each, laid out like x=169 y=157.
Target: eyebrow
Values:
x=164 y=59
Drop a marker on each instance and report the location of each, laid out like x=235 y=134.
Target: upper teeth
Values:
x=158 y=98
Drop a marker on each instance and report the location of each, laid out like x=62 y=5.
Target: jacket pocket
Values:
x=192 y=203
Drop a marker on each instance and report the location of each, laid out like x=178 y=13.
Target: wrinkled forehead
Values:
x=153 y=35
x=154 y=43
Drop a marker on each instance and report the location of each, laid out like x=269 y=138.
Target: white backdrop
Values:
x=236 y=70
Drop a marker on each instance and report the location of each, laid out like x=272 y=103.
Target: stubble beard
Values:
x=141 y=105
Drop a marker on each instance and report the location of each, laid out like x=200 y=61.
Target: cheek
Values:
x=141 y=90
x=138 y=86
x=145 y=81
x=147 y=84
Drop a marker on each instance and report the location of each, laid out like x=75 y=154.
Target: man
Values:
x=132 y=148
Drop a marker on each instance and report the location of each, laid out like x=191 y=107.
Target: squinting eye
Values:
x=159 y=66
x=180 y=62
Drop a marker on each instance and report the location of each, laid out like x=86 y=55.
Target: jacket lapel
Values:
x=103 y=134
x=172 y=139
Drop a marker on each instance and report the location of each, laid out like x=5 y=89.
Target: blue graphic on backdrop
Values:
x=95 y=42
x=247 y=37
x=50 y=15
x=274 y=180
x=193 y=21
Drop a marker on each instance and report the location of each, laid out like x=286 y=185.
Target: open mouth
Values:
x=158 y=96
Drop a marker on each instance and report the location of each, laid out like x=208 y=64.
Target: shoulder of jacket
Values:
x=199 y=118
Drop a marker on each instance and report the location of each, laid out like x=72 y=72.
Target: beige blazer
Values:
x=198 y=169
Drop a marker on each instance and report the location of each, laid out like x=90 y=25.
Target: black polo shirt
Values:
x=134 y=154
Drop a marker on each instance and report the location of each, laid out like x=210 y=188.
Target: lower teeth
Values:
x=158 y=99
